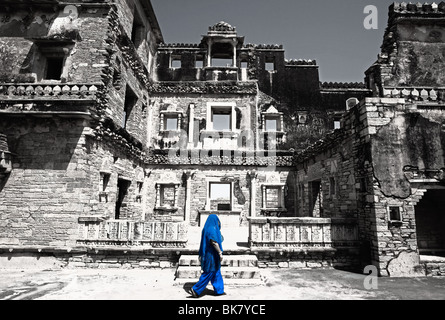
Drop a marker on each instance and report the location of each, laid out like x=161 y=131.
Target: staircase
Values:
x=236 y=270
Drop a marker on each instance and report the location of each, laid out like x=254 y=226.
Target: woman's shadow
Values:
x=188 y=288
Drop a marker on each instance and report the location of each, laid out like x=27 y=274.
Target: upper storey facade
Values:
x=92 y=59
x=222 y=55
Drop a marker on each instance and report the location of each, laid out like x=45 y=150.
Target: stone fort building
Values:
x=115 y=145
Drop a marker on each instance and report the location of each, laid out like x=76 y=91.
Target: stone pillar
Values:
x=175 y=205
x=209 y=53
x=234 y=53
x=161 y=122
x=179 y=122
x=263 y=200
x=188 y=193
x=253 y=177
x=282 y=197
x=191 y=125
x=158 y=195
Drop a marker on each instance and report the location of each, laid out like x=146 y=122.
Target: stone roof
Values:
x=342 y=85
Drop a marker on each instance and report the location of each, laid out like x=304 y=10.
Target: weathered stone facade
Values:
x=113 y=143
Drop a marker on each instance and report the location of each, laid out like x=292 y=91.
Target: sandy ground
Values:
x=159 y=284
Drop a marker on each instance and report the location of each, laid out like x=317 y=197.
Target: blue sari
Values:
x=210 y=261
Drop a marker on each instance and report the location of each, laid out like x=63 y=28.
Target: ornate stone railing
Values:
x=415 y=93
x=98 y=232
x=42 y=91
x=301 y=233
x=221 y=157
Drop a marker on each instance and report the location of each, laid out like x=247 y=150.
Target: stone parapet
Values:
x=204 y=87
x=418 y=94
x=45 y=91
x=134 y=233
x=301 y=232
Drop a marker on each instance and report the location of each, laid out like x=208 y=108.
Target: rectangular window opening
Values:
x=54 y=68
x=270 y=66
x=244 y=65
x=171 y=123
x=273 y=197
x=337 y=124
x=394 y=214
x=176 y=63
x=167 y=196
x=222 y=119
x=199 y=64
x=272 y=125
x=220 y=196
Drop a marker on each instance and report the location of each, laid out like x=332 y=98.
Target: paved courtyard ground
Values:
x=159 y=284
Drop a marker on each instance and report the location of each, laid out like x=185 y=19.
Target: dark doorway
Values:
x=430 y=223
x=315 y=199
x=122 y=191
x=54 y=68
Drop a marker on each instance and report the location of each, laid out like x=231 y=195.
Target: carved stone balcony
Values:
x=153 y=234
x=302 y=232
x=415 y=93
x=47 y=91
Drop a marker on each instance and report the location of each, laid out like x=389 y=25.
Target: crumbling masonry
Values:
x=114 y=145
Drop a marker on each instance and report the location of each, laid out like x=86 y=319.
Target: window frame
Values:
x=281 y=196
x=221 y=107
x=209 y=193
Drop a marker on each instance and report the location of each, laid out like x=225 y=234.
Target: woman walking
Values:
x=210 y=255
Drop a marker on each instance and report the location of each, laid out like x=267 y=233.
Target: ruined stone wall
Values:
x=420 y=55
x=335 y=172
x=50 y=184
x=84 y=62
x=56 y=179
x=403 y=134
x=413 y=48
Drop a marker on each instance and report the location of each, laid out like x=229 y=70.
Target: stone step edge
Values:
x=227 y=272
x=191 y=260
x=228 y=282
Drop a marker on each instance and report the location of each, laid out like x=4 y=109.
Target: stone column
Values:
x=282 y=197
x=188 y=193
x=176 y=196
x=191 y=125
x=161 y=122
x=209 y=53
x=234 y=53
x=253 y=177
x=263 y=200
x=158 y=195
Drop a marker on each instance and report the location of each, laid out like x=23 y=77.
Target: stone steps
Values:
x=236 y=270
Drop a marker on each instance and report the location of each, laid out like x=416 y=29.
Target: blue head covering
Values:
x=210 y=260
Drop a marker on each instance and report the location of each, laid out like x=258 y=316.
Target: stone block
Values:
x=404 y=265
